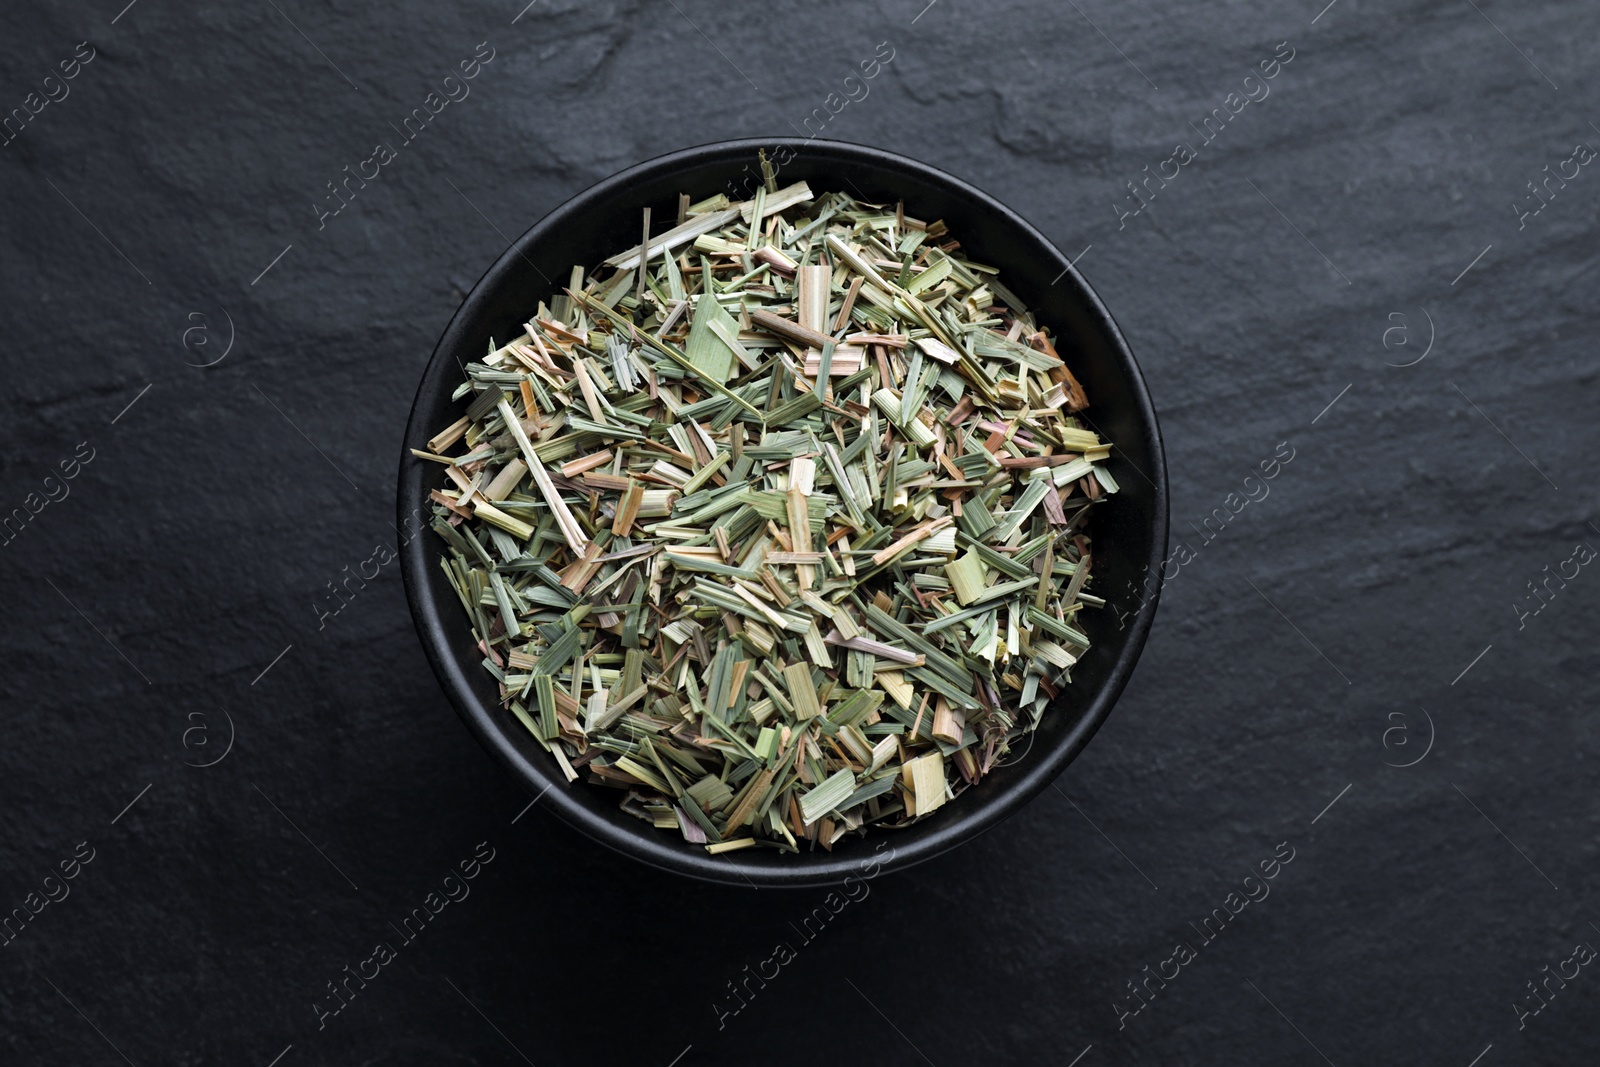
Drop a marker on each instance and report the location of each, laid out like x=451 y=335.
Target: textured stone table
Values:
x=1344 y=263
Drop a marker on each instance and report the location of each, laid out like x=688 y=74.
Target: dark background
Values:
x=1364 y=614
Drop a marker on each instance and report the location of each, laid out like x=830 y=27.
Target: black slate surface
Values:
x=1374 y=609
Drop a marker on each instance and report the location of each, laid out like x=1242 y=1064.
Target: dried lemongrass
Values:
x=775 y=522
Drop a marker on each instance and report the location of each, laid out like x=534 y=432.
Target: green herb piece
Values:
x=829 y=795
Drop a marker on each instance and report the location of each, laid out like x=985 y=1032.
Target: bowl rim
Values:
x=657 y=849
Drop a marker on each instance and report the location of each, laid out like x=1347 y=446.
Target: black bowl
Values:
x=1129 y=531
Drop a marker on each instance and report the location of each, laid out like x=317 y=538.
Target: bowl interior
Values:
x=1129 y=531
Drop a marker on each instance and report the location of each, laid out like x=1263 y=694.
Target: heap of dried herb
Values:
x=775 y=522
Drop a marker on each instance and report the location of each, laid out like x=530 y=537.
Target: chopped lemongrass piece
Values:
x=826 y=797
x=927 y=781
